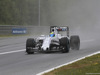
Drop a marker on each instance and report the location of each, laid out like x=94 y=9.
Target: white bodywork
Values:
x=57 y=40
x=46 y=43
x=47 y=40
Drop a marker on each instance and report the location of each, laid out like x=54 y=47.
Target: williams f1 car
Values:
x=60 y=41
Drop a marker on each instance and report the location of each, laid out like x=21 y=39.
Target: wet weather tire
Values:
x=75 y=42
x=30 y=44
x=64 y=45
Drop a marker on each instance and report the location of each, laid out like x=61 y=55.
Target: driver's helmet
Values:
x=52 y=34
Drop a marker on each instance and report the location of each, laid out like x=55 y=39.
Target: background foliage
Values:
x=18 y=12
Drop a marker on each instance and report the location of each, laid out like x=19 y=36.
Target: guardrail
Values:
x=34 y=30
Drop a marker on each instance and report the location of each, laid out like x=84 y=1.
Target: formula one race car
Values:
x=58 y=40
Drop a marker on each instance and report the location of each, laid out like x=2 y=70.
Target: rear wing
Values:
x=60 y=29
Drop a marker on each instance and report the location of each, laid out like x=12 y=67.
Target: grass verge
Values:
x=87 y=66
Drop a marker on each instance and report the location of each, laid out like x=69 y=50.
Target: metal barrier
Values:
x=34 y=30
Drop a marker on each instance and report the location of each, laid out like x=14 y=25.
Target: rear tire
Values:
x=75 y=42
x=30 y=44
x=64 y=45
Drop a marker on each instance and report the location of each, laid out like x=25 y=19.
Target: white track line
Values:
x=67 y=63
x=12 y=52
x=24 y=49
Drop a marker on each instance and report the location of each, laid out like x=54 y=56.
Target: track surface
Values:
x=19 y=63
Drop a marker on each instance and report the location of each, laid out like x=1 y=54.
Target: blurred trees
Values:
x=26 y=12
x=18 y=12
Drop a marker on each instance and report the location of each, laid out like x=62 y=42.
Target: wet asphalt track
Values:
x=19 y=63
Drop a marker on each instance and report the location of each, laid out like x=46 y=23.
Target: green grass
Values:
x=82 y=67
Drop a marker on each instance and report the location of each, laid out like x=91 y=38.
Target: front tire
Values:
x=64 y=45
x=30 y=44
